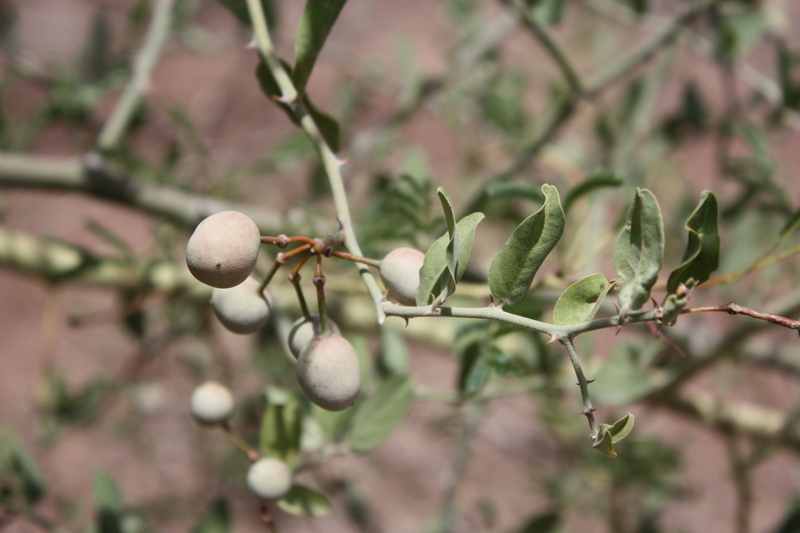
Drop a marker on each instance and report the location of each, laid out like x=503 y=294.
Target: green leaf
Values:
x=621 y=428
x=281 y=426
x=304 y=501
x=17 y=460
x=239 y=10
x=108 y=503
x=513 y=268
x=393 y=353
x=216 y=519
x=599 y=180
x=604 y=443
x=106 y=492
x=622 y=379
x=451 y=251
x=639 y=251
x=702 y=251
x=380 y=414
x=436 y=258
x=581 y=300
x=328 y=126
x=474 y=369
x=674 y=303
x=315 y=24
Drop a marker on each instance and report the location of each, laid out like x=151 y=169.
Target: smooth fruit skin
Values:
x=270 y=479
x=329 y=372
x=223 y=249
x=211 y=403
x=400 y=274
x=303 y=330
x=242 y=309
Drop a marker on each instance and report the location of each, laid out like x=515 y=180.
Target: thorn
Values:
x=252 y=45
x=590 y=381
x=553 y=339
x=342 y=162
x=281 y=99
x=407 y=320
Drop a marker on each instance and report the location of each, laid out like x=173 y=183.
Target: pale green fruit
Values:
x=270 y=479
x=329 y=373
x=223 y=249
x=242 y=309
x=304 y=330
x=211 y=403
x=400 y=274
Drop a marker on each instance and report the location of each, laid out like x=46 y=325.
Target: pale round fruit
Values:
x=304 y=330
x=270 y=479
x=400 y=274
x=223 y=249
x=329 y=372
x=211 y=403
x=241 y=309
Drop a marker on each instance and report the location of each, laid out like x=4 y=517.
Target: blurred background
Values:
x=104 y=334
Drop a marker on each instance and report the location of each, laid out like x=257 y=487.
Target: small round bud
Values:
x=329 y=372
x=400 y=274
x=223 y=249
x=270 y=479
x=304 y=330
x=242 y=309
x=211 y=403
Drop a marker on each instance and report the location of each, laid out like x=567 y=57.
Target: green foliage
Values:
x=639 y=252
x=377 y=416
x=18 y=467
x=305 y=501
x=610 y=434
x=315 y=23
x=513 y=268
x=702 y=251
x=437 y=264
x=281 y=426
x=581 y=300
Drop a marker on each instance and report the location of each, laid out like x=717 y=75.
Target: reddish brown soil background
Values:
x=167 y=463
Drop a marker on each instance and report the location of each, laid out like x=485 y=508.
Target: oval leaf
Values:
x=312 y=30
x=621 y=428
x=305 y=501
x=599 y=180
x=436 y=258
x=639 y=251
x=702 y=250
x=380 y=414
x=580 y=302
x=517 y=262
x=281 y=427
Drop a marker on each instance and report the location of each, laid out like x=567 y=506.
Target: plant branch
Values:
x=89 y=175
x=330 y=162
x=543 y=36
x=733 y=308
x=648 y=49
x=139 y=83
x=583 y=383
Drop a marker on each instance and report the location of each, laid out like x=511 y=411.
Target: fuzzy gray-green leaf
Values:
x=639 y=251
x=702 y=251
x=380 y=414
x=621 y=428
x=604 y=442
x=304 y=501
x=312 y=30
x=581 y=300
x=436 y=258
x=451 y=251
x=281 y=427
x=513 y=268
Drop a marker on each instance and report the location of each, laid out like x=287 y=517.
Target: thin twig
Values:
x=139 y=83
x=543 y=36
x=330 y=162
x=733 y=308
x=583 y=383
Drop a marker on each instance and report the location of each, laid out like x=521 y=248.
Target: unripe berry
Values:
x=303 y=330
x=242 y=309
x=223 y=249
x=211 y=403
x=270 y=479
x=400 y=274
x=329 y=373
